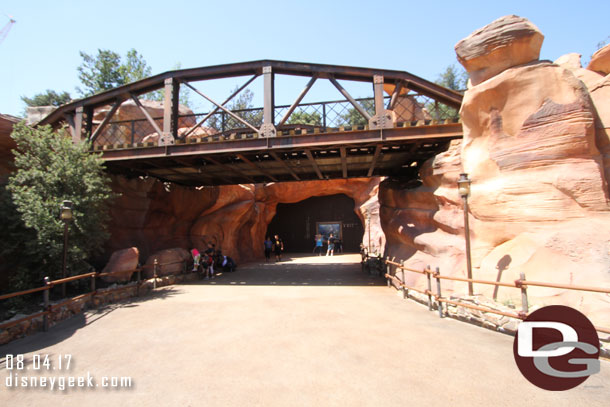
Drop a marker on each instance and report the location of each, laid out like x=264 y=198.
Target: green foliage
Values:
x=106 y=70
x=354 y=118
x=302 y=117
x=51 y=169
x=159 y=94
x=455 y=78
x=48 y=98
x=239 y=105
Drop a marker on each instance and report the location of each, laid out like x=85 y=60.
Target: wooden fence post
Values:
x=438 y=292
x=428 y=269
x=524 y=302
x=45 y=296
x=92 y=288
x=155 y=265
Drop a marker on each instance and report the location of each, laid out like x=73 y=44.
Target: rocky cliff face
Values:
x=153 y=217
x=536 y=148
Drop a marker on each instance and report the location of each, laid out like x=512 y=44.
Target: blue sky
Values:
x=42 y=50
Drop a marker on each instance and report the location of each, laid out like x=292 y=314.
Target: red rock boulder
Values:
x=124 y=263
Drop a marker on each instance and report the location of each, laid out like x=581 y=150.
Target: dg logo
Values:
x=556 y=348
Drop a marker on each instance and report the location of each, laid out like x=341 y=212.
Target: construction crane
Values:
x=7 y=27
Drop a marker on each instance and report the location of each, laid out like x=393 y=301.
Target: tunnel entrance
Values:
x=298 y=223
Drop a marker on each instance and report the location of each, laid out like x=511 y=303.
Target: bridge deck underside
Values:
x=397 y=152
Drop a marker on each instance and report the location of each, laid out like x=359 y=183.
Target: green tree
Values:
x=353 y=116
x=159 y=94
x=50 y=169
x=47 y=98
x=106 y=70
x=455 y=78
x=241 y=106
x=302 y=117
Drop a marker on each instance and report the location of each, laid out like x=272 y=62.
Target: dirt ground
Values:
x=307 y=331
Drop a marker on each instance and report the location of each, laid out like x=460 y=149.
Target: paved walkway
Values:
x=305 y=332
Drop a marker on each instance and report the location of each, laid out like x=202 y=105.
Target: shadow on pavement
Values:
x=66 y=328
x=300 y=270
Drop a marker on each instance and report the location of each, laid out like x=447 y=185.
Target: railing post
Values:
x=524 y=302
x=438 y=292
x=428 y=270
x=155 y=265
x=139 y=274
x=324 y=115
x=404 y=289
x=92 y=288
x=45 y=296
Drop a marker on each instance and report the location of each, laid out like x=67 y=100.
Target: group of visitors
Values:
x=333 y=245
x=211 y=261
x=276 y=245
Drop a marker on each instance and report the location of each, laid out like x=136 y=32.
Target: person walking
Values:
x=331 y=245
x=268 y=247
x=278 y=247
x=319 y=243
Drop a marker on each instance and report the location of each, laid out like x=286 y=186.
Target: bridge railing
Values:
x=435 y=296
x=328 y=115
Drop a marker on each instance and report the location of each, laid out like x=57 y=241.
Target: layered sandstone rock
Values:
x=123 y=262
x=533 y=132
x=600 y=61
x=508 y=41
x=572 y=62
x=154 y=217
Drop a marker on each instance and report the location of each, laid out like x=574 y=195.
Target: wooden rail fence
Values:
x=48 y=308
x=521 y=284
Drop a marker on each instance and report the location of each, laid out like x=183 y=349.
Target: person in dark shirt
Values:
x=268 y=247
x=278 y=247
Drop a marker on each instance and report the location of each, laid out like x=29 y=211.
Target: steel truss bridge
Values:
x=406 y=121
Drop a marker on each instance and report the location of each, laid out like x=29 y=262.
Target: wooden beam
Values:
x=106 y=120
x=230 y=168
x=314 y=164
x=202 y=167
x=256 y=167
x=374 y=162
x=286 y=166
x=343 y=161
x=147 y=115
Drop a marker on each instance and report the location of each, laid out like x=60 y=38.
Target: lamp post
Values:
x=65 y=214
x=464 y=190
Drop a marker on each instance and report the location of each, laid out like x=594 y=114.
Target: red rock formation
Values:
x=169 y=261
x=600 y=61
x=539 y=203
x=122 y=260
x=508 y=41
x=235 y=218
